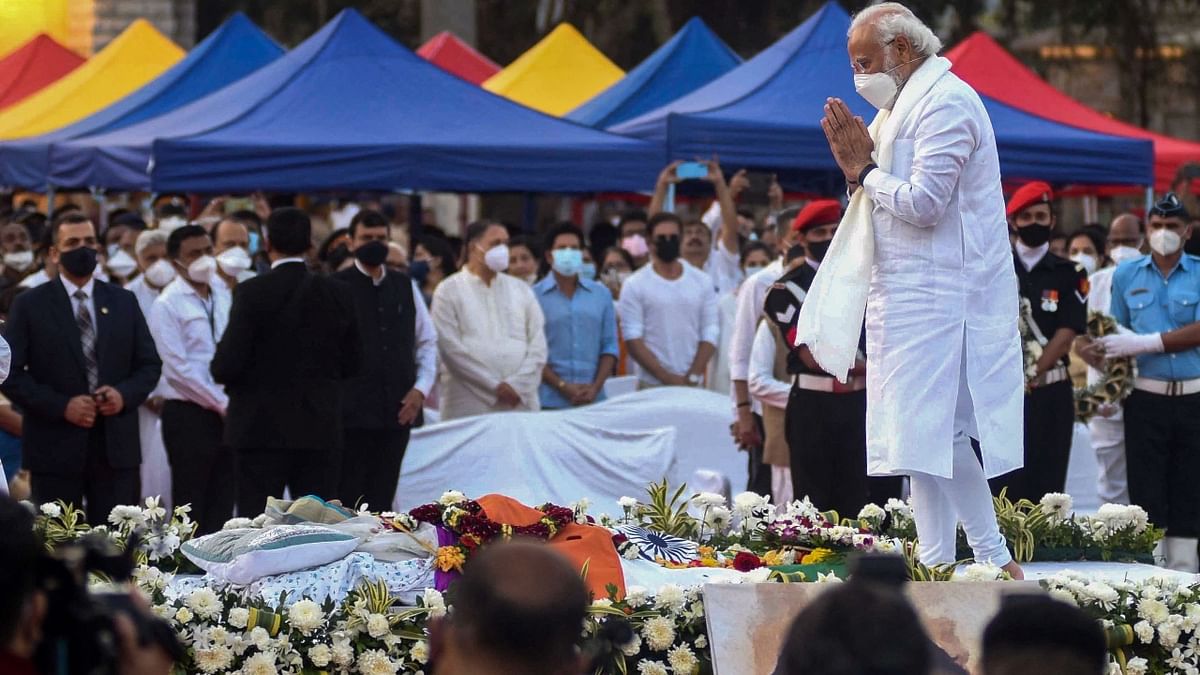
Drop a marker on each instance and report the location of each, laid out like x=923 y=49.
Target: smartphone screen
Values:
x=691 y=171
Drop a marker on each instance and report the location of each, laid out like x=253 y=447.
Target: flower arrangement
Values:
x=1116 y=383
x=158 y=534
x=1032 y=343
x=1049 y=531
x=669 y=632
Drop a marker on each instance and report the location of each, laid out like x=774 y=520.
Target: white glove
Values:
x=1131 y=344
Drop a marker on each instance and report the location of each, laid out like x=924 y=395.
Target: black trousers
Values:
x=265 y=472
x=371 y=466
x=827 y=442
x=1049 y=423
x=758 y=473
x=201 y=463
x=97 y=482
x=1162 y=451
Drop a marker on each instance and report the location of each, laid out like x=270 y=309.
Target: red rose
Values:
x=745 y=561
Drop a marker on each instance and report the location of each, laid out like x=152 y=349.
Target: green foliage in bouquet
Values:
x=667 y=511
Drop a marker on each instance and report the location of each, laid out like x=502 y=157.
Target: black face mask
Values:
x=80 y=262
x=667 y=248
x=818 y=249
x=372 y=254
x=1034 y=235
x=419 y=270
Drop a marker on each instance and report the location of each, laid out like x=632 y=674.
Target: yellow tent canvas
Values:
x=557 y=74
x=136 y=56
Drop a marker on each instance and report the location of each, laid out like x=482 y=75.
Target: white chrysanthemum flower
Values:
x=635 y=596
x=632 y=647
x=701 y=641
x=237 y=524
x=378 y=625
x=979 y=572
x=126 y=516
x=627 y=502
x=261 y=663
x=259 y=637
x=376 y=662
x=708 y=500
x=717 y=519
x=1153 y=611
x=1102 y=593
x=451 y=497
x=51 y=509
x=213 y=658
x=204 y=602
x=757 y=576
x=434 y=602
x=1144 y=631
x=320 y=655
x=659 y=633
x=239 y=617
x=683 y=661
x=306 y=616
x=670 y=597
x=581 y=506
x=648 y=667
x=184 y=615
x=828 y=578
x=872 y=512
x=343 y=653
x=602 y=603
x=1137 y=666
x=746 y=503
x=420 y=652
x=1056 y=504
x=164 y=546
x=1063 y=595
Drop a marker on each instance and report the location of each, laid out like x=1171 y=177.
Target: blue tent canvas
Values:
x=350 y=108
x=692 y=58
x=766 y=113
x=236 y=49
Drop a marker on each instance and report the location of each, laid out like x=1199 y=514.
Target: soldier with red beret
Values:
x=1056 y=289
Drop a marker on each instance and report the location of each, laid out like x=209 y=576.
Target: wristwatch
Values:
x=693 y=379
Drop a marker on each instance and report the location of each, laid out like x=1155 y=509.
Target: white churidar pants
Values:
x=1108 y=442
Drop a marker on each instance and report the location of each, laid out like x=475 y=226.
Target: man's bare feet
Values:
x=1014 y=570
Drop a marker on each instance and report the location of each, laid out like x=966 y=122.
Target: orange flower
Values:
x=450 y=558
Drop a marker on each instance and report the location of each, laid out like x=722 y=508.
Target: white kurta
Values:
x=487 y=334
x=942 y=282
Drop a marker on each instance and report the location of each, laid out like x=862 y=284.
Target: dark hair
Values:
x=746 y=212
x=887 y=637
x=601 y=236
x=1098 y=237
x=68 y=218
x=16 y=565
x=631 y=215
x=246 y=217
x=368 y=218
x=127 y=219
x=525 y=241
x=477 y=229
x=289 y=231
x=179 y=235
x=565 y=227
x=619 y=251
x=1034 y=634
x=701 y=224
x=753 y=246
x=326 y=247
x=660 y=218
x=69 y=207
x=171 y=210
x=439 y=248
x=521 y=603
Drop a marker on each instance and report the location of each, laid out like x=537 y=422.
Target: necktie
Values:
x=87 y=337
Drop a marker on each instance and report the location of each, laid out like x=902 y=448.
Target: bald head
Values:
x=1125 y=230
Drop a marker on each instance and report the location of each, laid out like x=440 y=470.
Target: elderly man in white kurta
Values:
x=491 y=344
x=926 y=225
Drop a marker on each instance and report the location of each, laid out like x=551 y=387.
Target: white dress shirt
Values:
x=186 y=330
x=751 y=296
x=762 y=383
x=671 y=316
x=425 y=336
x=293 y=259
x=90 y=288
x=1031 y=256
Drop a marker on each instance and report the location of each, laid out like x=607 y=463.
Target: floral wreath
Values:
x=1116 y=382
x=1032 y=342
x=467 y=520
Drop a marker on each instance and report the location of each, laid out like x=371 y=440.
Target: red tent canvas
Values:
x=991 y=70
x=455 y=56
x=32 y=66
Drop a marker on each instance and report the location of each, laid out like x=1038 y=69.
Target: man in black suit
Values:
x=399 y=348
x=290 y=343
x=83 y=361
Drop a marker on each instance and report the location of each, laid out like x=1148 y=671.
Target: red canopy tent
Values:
x=991 y=70
x=457 y=57
x=32 y=66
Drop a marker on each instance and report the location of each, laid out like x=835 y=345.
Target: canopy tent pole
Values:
x=529 y=217
x=98 y=194
x=50 y=202
x=415 y=222
x=1149 y=198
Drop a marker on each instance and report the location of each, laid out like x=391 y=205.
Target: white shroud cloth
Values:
x=924 y=249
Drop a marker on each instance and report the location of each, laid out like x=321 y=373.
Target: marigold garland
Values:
x=474 y=528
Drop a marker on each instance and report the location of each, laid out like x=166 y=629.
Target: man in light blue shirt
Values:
x=1157 y=297
x=581 y=325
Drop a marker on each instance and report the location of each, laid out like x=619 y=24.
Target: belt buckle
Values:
x=1174 y=388
x=839 y=388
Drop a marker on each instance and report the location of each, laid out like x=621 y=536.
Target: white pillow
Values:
x=243 y=556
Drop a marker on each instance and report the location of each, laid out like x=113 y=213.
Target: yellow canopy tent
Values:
x=135 y=57
x=557 y=74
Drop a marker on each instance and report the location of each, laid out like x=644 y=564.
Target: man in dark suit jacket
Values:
x=290 y=343
x=399 y=348
x=83 y=361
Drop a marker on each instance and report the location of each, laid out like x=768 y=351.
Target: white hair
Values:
x=149 y=238
x=892 y=19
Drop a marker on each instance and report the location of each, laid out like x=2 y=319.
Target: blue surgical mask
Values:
x=419 y=270
x=567 y=261
x=588 y=271
x=751 y=270
x=253 y=243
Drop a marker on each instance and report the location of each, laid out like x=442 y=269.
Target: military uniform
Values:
x=826 y=424
x=1056 y=289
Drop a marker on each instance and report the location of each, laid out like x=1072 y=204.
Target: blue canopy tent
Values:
x=350 y=108
x=766 y=114
x=692 y=58
x=234 y=50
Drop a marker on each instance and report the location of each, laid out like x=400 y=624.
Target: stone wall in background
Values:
x=175 y=18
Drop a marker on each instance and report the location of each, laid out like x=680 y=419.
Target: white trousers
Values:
x=781 y=485
x=939 y=504
x=1108 y=442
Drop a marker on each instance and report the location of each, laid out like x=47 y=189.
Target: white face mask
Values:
x=121 y=264
x=171 y=223
x=878 y=88
x=234 y=261
x=1165 y=242
x=1086 y=260
x=1122 y=253
x=496 y=258
x=160 y=273
x=19 y=260
x=202 y=269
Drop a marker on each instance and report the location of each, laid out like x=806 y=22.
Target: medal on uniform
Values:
x=1050 y=301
